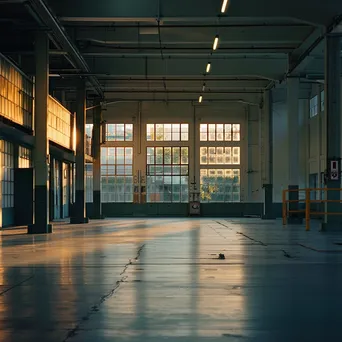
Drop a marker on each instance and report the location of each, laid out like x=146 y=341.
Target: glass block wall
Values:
x=16 y=94
x=59 y=124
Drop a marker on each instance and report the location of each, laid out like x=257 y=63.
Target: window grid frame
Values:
x=169 y=187
x=228 y=130
x=16 y=94
x=113 y=196
x=172 y=132
x=224 y=194
x=126 y=132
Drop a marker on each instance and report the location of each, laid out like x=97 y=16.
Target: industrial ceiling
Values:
x=160 y=49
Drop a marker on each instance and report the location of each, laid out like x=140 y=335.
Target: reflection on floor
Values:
x=161 y=279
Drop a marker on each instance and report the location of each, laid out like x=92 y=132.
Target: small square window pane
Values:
x=219 y=132
x=228 y=132
x=150 y=132
x=212 y=155
x=159 y=132
x=129 y=132
x=212 y=132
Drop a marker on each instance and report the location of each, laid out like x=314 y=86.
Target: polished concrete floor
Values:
x=161 y=280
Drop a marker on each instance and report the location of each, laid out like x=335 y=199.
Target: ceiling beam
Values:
x=43 y=15
x=309 y=11
x=302 y=57
x=189 y=36
x=267 y=67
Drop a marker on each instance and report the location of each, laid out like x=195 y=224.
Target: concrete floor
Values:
x=160 y=280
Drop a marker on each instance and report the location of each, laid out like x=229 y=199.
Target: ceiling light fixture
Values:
x=200 y=99
x=208 y=68
x=203 y=88
x=216 y=41
x=224 y=6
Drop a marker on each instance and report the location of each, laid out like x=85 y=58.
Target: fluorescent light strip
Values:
x=208 y=68
x=200 y=99
x=224 y=6
x=203 y=88
x=216 y=41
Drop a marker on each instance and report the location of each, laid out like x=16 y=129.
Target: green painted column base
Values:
x=39 y=229
x=79 y=220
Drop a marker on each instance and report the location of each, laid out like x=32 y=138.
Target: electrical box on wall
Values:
x=195 y=204
x=334 y=171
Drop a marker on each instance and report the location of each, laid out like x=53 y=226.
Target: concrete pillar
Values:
x=97 y=119
x=41 y=152
x=293 y=146
x=333 y=125
x=266 y=157
x=79 y=212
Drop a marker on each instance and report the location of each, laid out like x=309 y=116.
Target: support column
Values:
x=333 y=132
x=266 y=155
x=97 y=119
x=293 y=146
x=41 y=152
x=79 y=214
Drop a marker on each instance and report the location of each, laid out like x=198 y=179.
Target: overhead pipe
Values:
x=42 y=14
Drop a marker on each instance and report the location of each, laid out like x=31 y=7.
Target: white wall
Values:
x=280 y=147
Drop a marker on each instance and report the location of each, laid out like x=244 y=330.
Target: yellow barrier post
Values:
x=284 y=208
x=307 y=209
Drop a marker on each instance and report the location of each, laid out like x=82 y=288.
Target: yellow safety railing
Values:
x=307 y=202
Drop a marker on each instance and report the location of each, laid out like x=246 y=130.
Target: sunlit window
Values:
x=220 y=155
x=167 y=132
x=119 y=132
x=117 y=174
x=16 y=94
x=220 y=132
x=167 y=174
x=220 y=185
x=59 y=123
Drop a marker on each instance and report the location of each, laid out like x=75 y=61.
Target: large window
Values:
x=119 y=132
x=220 y=158
x=220 y=132
x=167 y=174
x=220 y=155
x=220 y=185
x=167 y=132
x=117 y=174
x=313 y=106
x=7 y=174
